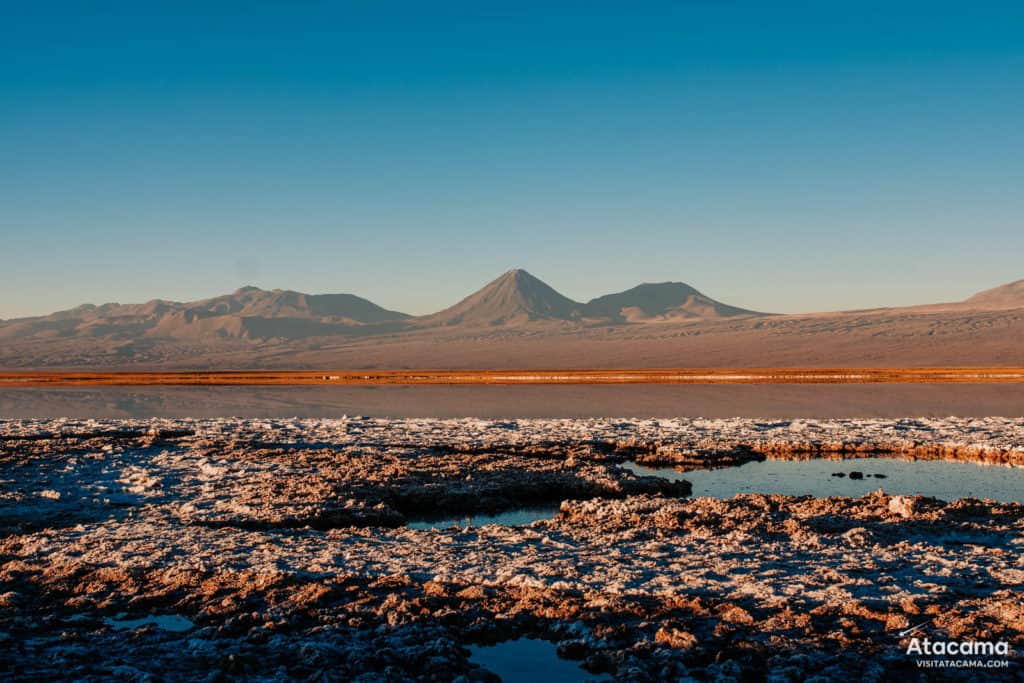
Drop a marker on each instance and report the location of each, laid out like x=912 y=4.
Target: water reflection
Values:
x=517 y=517
x=165 y=622
x=693 y=400
x=528 y=661
x=937 y=478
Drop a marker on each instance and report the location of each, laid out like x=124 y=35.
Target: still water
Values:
x=503 y=402
x=937 y=478
x=517 y=517
x=164 y=622
x=528 y=661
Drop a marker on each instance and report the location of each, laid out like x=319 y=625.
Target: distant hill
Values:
x=661 y=302
x=514 y=298
x=1007 y=296
x=248 y=313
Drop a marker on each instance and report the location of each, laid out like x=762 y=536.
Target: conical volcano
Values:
x=514 y=297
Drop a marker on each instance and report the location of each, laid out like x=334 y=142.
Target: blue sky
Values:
x=797 y=157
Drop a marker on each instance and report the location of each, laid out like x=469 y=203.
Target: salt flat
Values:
x=283 y=543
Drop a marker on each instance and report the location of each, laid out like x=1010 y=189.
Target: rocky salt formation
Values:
x=282 y=542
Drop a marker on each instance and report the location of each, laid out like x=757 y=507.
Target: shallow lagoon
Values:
x=940 y=479
x=646 y=400
x=820 y=477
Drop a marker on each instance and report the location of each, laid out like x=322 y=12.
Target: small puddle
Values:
x=165 y=622
x=941 y=479
x=517 y=517
x=528 y=660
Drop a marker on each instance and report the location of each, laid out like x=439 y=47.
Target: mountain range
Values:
x=518 y=297
x=516 y=320
x=515 y=298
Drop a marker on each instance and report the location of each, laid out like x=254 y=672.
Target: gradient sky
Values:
x=788 y=158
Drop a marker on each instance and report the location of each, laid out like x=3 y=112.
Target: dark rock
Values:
x=573 y=649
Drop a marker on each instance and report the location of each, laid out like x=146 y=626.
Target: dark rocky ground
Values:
x=284 y=543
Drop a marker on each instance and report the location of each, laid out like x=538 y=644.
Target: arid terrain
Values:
x=517 y=342
x=279 y=549
x=516 y=321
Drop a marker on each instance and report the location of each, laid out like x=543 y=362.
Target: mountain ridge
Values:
x=650 y=323
x=247 y=313
x=517 y=297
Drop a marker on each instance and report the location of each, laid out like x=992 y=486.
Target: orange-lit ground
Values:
x=973 y=375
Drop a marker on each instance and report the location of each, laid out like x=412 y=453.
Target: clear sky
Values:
x=778 y=156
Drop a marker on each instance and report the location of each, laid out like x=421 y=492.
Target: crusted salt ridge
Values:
x=977 y=434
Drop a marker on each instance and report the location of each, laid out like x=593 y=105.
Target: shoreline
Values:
x=890 y=375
